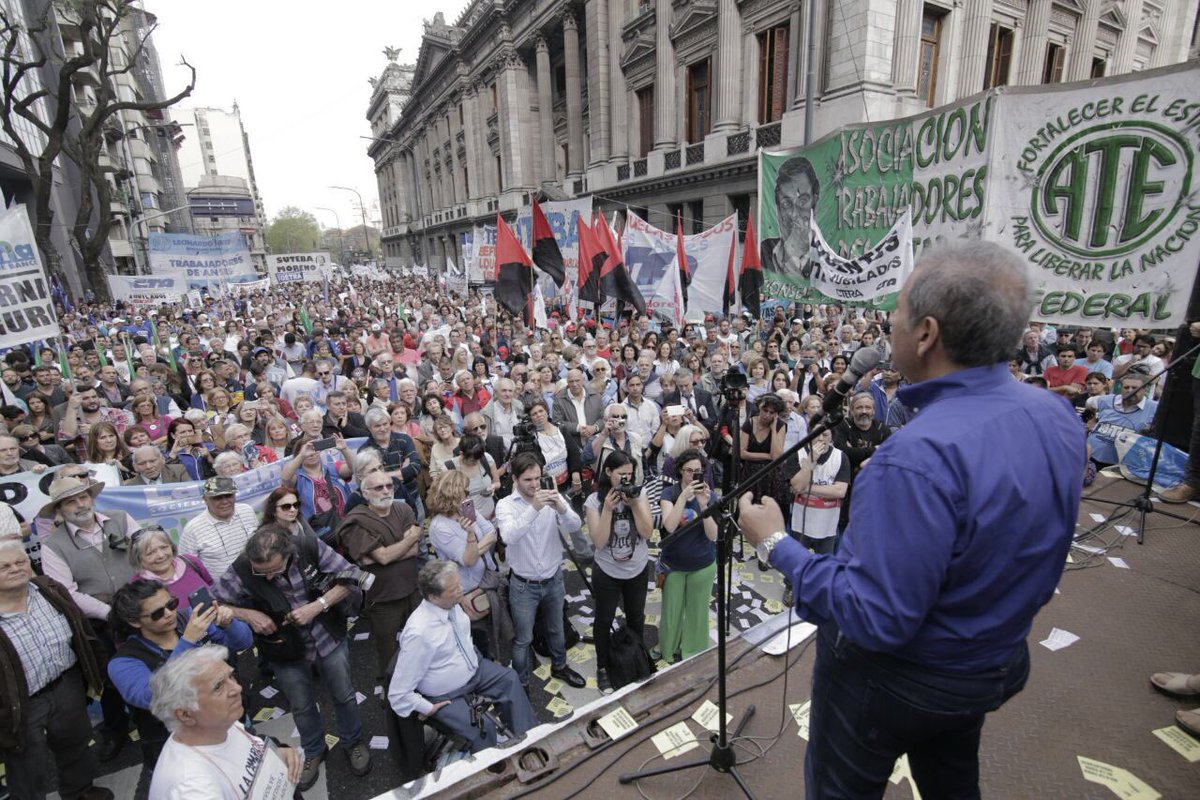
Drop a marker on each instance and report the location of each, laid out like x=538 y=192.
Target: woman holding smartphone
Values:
x=185 y=445
x=153 y=629
x=688 y=560
x=618 y=519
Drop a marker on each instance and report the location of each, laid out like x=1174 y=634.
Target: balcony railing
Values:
x=738 y=143
x=695 y=154
x=768 y=135
x=639 y=168
x=622 y=172
x=671 y=160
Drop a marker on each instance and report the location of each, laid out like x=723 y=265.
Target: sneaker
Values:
x=359 y=757
x=602 y=681
x=312 y=769
x=1179 y=494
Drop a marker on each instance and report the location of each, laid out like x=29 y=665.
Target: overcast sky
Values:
x=298 y=70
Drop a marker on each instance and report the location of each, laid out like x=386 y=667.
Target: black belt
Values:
x=531 y=581
x=52 y=685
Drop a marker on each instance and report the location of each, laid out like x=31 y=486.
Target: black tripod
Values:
x=1142 y=503
x=722 y=757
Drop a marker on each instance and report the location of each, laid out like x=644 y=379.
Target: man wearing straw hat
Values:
x=87 y=553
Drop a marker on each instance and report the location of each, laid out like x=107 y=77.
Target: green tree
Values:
x=294 y=231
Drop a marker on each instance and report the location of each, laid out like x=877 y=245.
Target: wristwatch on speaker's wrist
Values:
x=765 y=547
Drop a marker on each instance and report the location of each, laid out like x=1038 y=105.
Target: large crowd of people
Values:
x=439 y=462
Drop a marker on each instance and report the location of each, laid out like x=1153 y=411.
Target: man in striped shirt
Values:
x=219 y=535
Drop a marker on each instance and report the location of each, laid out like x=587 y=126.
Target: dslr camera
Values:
x=628 y=488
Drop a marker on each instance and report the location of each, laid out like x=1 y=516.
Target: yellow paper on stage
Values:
x=765 y=578
x=554 y=686
x=706 y=716
x=1122 y=782
x=559 y=707
x=800 y=712
x=652 y=619
x=264 y=714
x=1180 y=742
x=331 y=741
x=675 y=740
x=774 y=606
x=617 y=723
x=542 y=672
x=591 y=683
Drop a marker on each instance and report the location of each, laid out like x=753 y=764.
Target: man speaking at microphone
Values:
x=959 y=530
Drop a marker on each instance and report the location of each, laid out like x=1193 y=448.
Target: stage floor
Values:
x=1091 y=699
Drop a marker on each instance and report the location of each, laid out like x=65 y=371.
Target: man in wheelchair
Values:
x=440 y=675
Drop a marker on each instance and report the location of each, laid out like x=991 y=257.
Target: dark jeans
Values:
x=868 y=709
x=1192 y=478
x=112 y=705
x=55 y=729
x=630 y=593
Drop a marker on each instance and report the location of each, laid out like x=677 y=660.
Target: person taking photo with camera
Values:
x=619 y=522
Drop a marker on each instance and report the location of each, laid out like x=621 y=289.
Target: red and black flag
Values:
x=546 y=255
x=591 y=257
x=615 y=280
x=730 y=295
x=685 y=273
x=752 y=274
x=514 y=281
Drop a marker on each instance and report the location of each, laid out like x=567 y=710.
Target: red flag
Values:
x=685 y=273
x=514 y=284
x=591 y=257
x=730 y=295
x=752 y=275
x=615 y=280
x=546 y=253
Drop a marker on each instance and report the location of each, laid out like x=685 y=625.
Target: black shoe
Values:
x=569 y=676
x=602 y=681
x=311 y=771
x=110 y=746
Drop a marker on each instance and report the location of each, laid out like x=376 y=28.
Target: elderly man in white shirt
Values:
x=218 y=535
x=438 y=667
x=529 y=521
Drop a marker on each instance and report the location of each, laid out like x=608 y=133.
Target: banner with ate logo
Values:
x=26 y=305
x=203 y=261
x=1091 y=183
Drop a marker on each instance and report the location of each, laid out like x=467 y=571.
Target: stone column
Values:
x=1079 y=62
x=425 y=174
x=972 y=61
x=906 y=58
x=619 y=92
x=1032 y=65
x=545 y=112
x=513 y=103
x=1173 y=33
x=664 y=79
x=574 y=97
x=728 y=68
x=469 y=125
x=1127 y=43
x=599 y=94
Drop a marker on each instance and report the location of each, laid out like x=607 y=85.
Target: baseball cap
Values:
x=219 y=487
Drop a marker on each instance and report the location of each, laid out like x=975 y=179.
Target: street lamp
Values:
x=363 y=210
x=341 y=234
x=144 y=240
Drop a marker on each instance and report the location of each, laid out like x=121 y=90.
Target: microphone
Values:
x=865 y=359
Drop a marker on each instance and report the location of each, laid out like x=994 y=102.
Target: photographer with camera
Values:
x=619 y=522
x=616 y=437
x=295 y=593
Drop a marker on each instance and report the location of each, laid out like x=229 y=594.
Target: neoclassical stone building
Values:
x=660 y=105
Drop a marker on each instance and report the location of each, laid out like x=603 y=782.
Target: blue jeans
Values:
x=528 y=601
x=868 y=709
x=298 y=683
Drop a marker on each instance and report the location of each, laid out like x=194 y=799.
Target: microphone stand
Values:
x=722 y=757
x=1142 y=502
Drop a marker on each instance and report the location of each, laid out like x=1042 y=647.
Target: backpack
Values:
x=628 y=660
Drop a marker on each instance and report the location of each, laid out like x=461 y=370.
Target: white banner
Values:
x=297 y=267
x=456 y=281
x=877 y=272
x=420 y=271
x=204 y=261
x=26 y=305
x=1093 y=184
x=650 y=253
x=147 y=290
